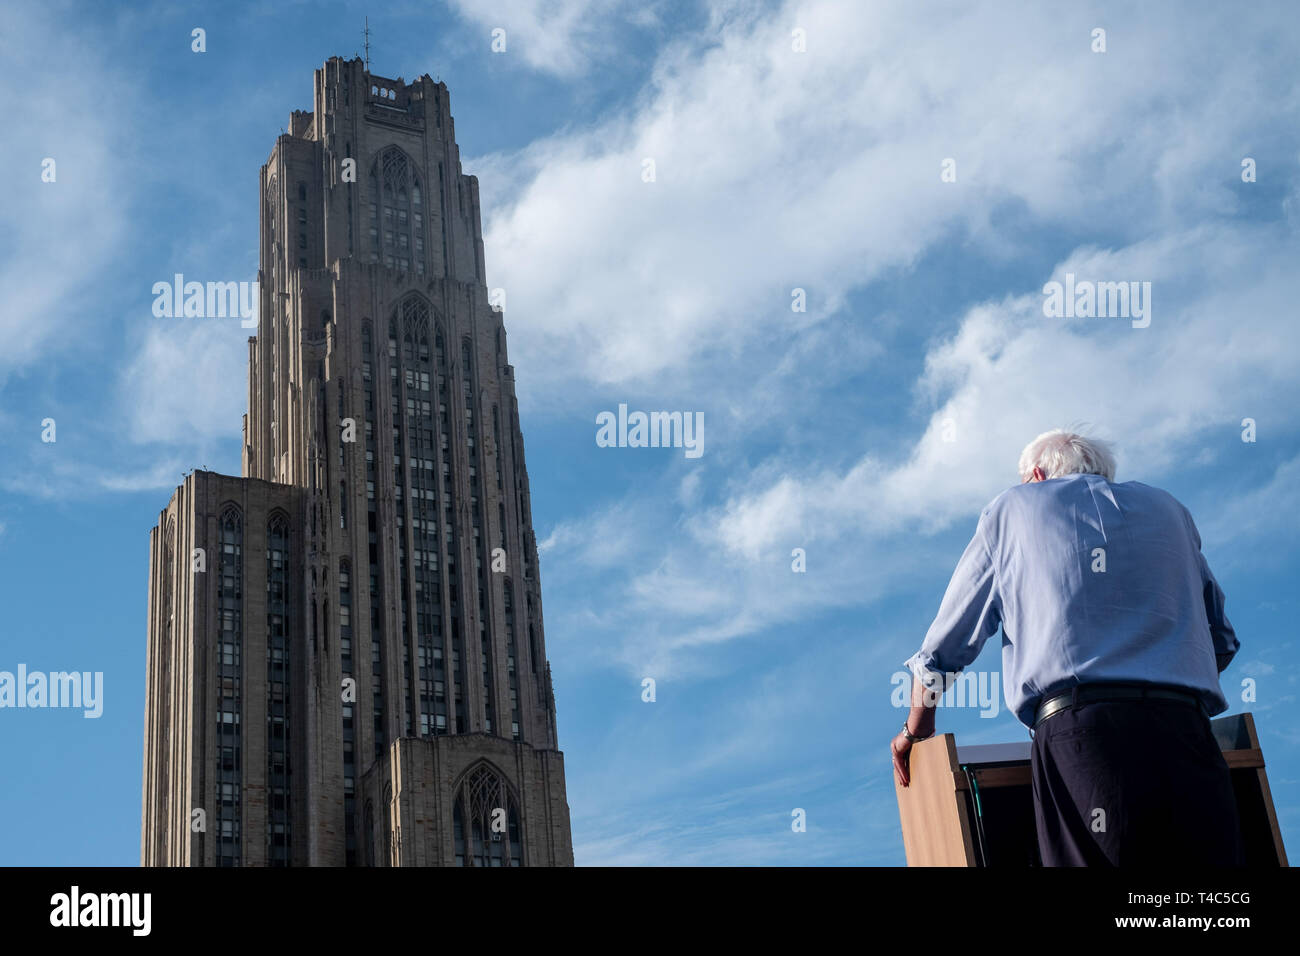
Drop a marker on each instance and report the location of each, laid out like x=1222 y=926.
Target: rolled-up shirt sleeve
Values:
x=1224 y=637
x=968 y=616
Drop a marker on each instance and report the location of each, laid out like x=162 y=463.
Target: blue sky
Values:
x=825 y=429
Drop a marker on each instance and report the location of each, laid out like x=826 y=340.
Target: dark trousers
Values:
x=1133 y=783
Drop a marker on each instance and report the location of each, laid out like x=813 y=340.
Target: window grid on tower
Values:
x=460 y=710
x=478 y=543
x=169 y=583
x=509 y=608
x=412 y=383
x=399 y=498
x=279 y=770
x=411 y=376
x=396 y=211
x=230 y=601
x=349 y=706
x=372 y=527
x=496 y=454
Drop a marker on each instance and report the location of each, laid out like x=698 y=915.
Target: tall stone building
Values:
x=346 y=660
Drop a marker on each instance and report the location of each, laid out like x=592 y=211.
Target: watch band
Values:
x=912 y=737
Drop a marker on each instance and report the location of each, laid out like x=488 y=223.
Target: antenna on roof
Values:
x=366 y=33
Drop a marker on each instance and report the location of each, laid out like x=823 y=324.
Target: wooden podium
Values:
x=974 y=806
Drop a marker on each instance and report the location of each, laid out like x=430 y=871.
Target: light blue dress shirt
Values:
x=1154 y=615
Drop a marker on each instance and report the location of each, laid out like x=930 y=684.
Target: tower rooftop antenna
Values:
x=366 y=33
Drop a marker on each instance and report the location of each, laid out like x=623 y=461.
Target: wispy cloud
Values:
x=182 y=385
x=562 y=37
x=68 y=479
x=57 y=234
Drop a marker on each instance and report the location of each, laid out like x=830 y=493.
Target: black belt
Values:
x=1089 y=693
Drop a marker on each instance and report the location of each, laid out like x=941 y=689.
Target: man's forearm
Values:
x=920 y=719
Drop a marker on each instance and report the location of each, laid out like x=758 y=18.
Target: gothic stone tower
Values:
x=346 y=661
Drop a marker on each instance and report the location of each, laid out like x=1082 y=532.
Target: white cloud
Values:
x=56 y=234
x=60 y=477
x=1005 y=375
x=821 y=170
x=563 y=37
x=1262 y=518
x=185 y=383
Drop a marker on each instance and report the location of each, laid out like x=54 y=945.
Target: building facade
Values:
x=346 y=658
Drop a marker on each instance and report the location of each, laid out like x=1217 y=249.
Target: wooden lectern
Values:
x=974 y=806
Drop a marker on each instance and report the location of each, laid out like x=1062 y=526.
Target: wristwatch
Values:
x=912 y=737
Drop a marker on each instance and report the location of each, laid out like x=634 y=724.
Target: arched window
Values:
x=272 y=206
x=396 y=213
x=417 y=509
x=486 y=820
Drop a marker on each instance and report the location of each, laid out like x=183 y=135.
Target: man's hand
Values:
x=920 y=722
x=901 y=747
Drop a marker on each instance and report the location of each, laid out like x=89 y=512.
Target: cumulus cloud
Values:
x=1007 y=374
x=761 y=185
x=821 y=170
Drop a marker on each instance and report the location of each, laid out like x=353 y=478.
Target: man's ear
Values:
x=1038 y=474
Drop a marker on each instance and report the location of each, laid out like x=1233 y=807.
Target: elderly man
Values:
x=1113 y=638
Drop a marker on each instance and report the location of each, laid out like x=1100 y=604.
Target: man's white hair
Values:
x=1060 y=452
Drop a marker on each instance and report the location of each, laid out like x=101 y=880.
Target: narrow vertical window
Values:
x=377 y=682
x=349 y=717
x=278 y=769
x=228 y=777
x=508 y=605
x=418 y=537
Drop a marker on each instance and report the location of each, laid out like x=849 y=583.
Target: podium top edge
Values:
x=993 y=753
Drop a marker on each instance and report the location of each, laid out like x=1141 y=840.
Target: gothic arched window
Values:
x=412 y=378
x=272 y=206
x=396 y=213
x=486 y=820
